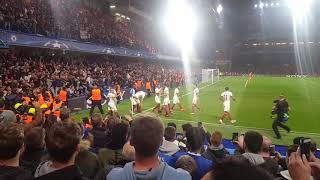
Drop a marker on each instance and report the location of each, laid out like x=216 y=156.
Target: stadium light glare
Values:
x=299 y=8
x=261 y=5
x=272 y=4
x=256 y=5
x=112 y=6
x=277 y=4
x=267 y=5
x=219 y=8
x=181 y=23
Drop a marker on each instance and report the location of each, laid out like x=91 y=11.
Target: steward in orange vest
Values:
x=63 y=94
x=56 y=105
x=46 y=112
x=28 y=116
x=96 y=97
x=148 y=87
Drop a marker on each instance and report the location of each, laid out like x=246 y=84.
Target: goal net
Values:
x=210 y=75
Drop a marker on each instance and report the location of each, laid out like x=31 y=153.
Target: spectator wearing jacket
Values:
x=146 y=137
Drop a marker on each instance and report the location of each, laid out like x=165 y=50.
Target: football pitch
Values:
x=252 y=108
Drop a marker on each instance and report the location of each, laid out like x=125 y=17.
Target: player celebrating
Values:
x=176 y=99
x=157 y=99
x=112 y=96
x=139 y=97
x=195 y=100
x=132 y=98
x=250 y=76
x=226 y=97
x=166 y=101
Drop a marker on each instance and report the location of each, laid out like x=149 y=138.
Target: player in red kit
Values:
x=250 y=76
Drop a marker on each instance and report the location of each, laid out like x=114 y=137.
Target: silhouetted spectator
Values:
x=146 y=137
x=11 y=145
x=195 y=140
x=34 y=149
x=233 y=168
x=63 y=145
x=216 y=150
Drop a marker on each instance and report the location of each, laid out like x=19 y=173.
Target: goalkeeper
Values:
x=281 y=110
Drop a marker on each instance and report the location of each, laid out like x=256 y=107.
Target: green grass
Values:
x=252 y=106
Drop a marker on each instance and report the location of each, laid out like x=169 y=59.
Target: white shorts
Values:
x=134 y=101
x=226 y=106
x=195 y=101
x=112 y=107
x=176 y=100
x=157 y=100
x=166 y=101
x=142 y=97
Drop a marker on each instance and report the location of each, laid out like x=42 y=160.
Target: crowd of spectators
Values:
x=140 y=148
x=25 y=72
x=69 y=19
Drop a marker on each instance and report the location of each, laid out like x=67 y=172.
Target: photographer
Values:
x=281 y=109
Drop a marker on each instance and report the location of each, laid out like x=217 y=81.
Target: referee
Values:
x=281 y=109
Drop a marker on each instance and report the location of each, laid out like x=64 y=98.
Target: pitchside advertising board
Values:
x=296 y=76
x=34 y=40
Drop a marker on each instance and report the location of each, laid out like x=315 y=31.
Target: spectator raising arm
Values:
x=298 y=167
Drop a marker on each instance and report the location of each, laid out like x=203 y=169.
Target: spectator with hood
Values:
x=169 y=147
x=216 y=150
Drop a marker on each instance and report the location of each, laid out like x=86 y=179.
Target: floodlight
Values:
x=256 y=5
x=299 y=8
x=181 y=23
x=112 y=6
x=261 y=5
x=272 y=4
x=277 y=4
x=219 y=9
x=266 y=4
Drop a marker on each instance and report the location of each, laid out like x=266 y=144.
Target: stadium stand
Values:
x=60 y=19
x=77 y=75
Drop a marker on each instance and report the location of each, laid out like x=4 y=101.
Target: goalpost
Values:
x=210 y=75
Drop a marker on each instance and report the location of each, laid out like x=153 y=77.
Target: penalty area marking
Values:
x=238 y=127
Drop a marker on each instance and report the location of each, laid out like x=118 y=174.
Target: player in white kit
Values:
x=226 y=97
x=157 y=99
x=176 y=99
x=112 y=107
x=195 y=99
x=166 y=101
x=132 y=99
x=139 y=97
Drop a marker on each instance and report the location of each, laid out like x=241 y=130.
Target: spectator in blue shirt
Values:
x=195 y=140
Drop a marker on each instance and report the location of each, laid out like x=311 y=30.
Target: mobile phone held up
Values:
x=235 y=137
x=305 y=145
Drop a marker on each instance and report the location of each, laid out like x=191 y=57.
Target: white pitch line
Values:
x=240 y=127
